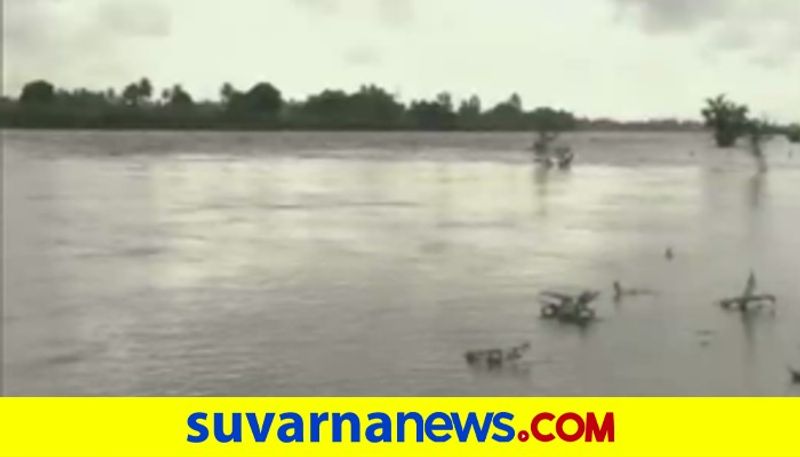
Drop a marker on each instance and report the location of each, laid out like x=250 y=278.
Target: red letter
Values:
x=600 y=433
x=560 y=427
x=535 y=427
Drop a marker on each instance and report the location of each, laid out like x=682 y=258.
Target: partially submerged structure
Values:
x=566 y=307
x=549 y=154
x=496 y=357
x=795 y=375
x=622 y=292
x=749 y=300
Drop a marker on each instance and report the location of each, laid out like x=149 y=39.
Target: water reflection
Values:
x=757 y=189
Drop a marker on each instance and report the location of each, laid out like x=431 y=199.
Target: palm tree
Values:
x=145 y=90
x=728 y=119
x=227 y=92
x=130 y=95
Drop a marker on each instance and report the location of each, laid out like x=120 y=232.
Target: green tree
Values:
x=445 y=100
x=145 y=90
x=37 y=93
x=263 y=99
x=469 y=113
x=82 y=98
x=130 y=94
x=793 y=133
x=227 y=92
x=470 y=107
x=546 y=119
x=507 y=114
x=373 y=107
x=728 y=120
x=137 y=93
x=515 y=101
x=177 y=97
x=433 y=115
x=111 y=95
x=329 y=108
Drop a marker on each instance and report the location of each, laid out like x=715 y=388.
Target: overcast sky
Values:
x=619 y=58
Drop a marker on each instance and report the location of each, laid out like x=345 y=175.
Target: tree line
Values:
x=730 y=121
x=263 y=106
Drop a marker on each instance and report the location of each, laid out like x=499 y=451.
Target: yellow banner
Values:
x=138 y=427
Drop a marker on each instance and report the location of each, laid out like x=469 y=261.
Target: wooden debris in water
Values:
x=496 y=357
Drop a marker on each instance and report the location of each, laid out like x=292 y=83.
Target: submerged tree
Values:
x=728 y=119
x=549 y=123
x=759 y=132
x=793 y=133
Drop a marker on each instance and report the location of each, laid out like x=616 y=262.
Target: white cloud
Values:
x=145 y=18
x=362 y=55
x=663 y=16
x=661 y=59
x=764 y=27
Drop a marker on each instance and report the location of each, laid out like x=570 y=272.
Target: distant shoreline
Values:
x=41 y=105
x=323 y=130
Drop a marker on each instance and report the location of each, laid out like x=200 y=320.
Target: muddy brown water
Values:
x=161 y=263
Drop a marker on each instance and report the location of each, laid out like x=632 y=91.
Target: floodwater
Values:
x=148 y=263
